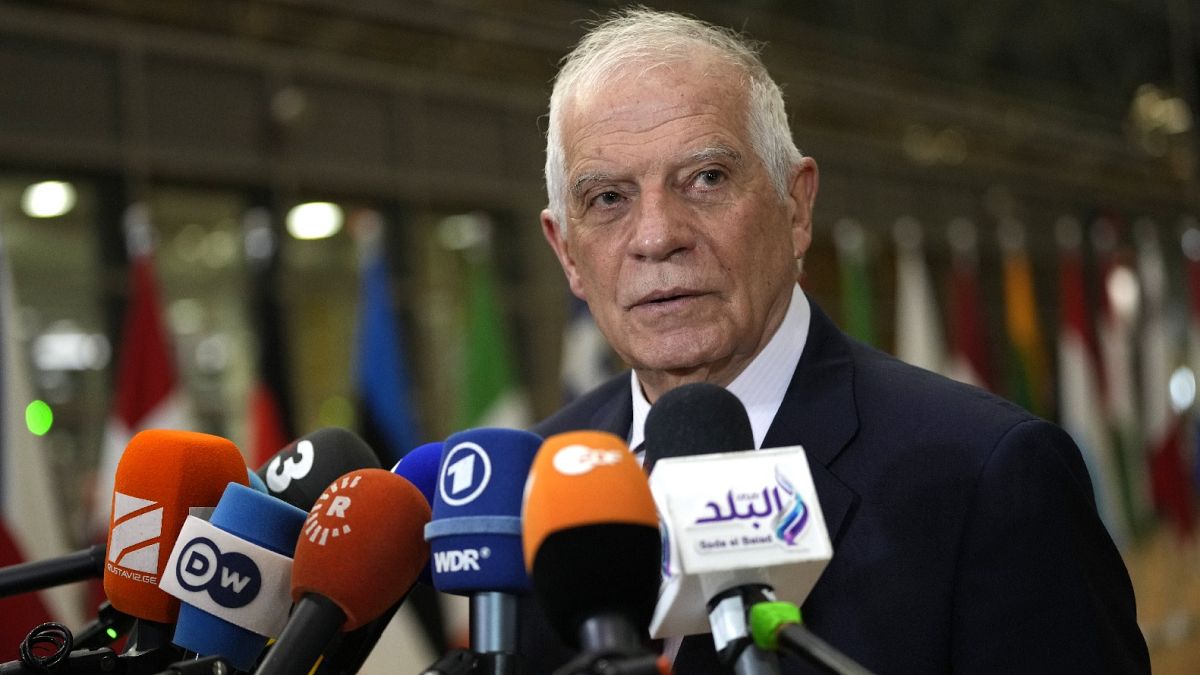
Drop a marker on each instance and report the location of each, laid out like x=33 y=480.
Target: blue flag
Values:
x=387 y=419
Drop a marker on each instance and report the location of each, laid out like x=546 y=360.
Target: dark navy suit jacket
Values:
x=965 y=532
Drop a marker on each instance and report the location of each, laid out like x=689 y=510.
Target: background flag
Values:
x=1028 y=372
x=491 y=394
x=1173 y=496
x=1162 y=426
x=1081 y=409
x=388 y=417
x=32 y=522
x=919 y=339
x=1191 y=254
x=858 y=314
x=269 y=420
x=148 y=392
x=1118 y=303
x=970 y=360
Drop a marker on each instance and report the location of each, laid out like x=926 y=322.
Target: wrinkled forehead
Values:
x=643 y=85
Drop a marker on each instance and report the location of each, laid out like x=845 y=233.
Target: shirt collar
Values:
x=762 y=385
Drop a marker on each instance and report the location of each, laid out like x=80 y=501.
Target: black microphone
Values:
x=695 y=419
x=301 y=471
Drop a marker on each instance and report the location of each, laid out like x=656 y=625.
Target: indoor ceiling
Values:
x=1089 y=54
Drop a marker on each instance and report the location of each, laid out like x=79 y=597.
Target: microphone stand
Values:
x=494 y=632
x=209 y=665
x=454 y=662
x=611 y=646
x=34 y=576
x=109 y=625
x=101 y=661
x=727 y=615
x=777 y=625
x=613 y=663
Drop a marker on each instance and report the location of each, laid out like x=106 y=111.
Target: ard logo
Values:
x=466 y=470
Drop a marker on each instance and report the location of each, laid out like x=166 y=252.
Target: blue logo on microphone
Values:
x=465 y=473
x=790 y=522
x=231 y=579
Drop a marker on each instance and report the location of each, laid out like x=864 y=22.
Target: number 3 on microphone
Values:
x=282 y=472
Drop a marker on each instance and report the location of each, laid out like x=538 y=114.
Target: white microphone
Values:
x=740 y=528
x=736 y=526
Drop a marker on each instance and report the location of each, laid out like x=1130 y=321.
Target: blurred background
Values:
x=256 y=218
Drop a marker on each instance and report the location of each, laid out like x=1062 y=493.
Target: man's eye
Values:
x=710 y=178
x=609 y=198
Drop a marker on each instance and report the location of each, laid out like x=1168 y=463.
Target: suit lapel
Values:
x=819 y=413
x=616 y=414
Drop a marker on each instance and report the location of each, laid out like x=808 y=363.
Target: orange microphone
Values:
x=592 y=544
x=359 y=553
x=161 y=476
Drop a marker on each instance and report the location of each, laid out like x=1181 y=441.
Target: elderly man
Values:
x=964 y=529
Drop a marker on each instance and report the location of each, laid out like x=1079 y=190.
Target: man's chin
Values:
x=683 y=367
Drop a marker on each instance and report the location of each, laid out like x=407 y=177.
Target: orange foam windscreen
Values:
x=363 y=544
x=583 y=478
x=161 y=475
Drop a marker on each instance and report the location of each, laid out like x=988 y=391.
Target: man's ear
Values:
x=802 y=195
x=562 y=249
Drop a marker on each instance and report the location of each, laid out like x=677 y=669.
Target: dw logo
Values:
x=231 y=579
x=466 y=471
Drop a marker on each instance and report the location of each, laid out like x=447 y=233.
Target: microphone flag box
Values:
x=731 y=519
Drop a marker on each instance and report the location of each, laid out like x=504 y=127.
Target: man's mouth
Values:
x=665 y=297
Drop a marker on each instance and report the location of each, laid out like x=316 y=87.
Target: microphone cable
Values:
x=49 y=633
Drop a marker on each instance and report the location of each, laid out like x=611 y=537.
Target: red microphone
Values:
x=360 y=551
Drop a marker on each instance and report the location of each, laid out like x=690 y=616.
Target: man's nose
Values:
x=662 y=227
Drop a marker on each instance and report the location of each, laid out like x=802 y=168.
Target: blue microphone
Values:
x=475 y=534
x=233 y=574
x=420 y=467
x=256 y=482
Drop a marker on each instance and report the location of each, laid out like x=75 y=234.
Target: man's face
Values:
x=677 y=239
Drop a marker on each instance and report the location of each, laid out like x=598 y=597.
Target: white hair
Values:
x=655 y=38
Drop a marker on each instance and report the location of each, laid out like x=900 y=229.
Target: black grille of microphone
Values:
x=696 y=419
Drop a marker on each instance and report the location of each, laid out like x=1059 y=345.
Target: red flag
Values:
x=970 y=361
x=148 y=394
x=1169 y=481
